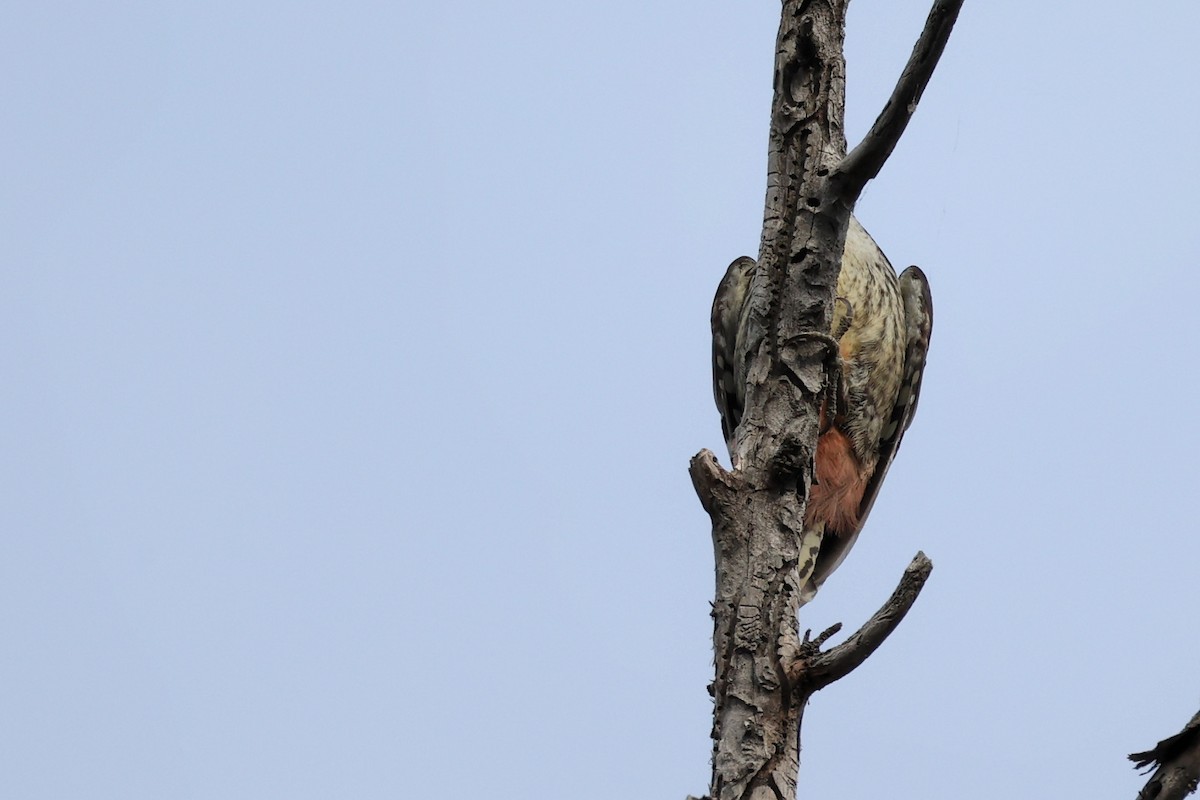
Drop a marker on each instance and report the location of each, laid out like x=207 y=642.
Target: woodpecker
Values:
x=881 y=324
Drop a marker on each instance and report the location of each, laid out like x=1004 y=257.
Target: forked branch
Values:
x=864 y=161
x=764 y=554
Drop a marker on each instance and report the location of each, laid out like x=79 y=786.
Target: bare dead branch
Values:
x=708 y=478
x=1177 y=759
x=864 y=161
x=814 y=670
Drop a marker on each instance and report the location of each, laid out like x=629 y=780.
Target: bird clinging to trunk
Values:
x=881 y=323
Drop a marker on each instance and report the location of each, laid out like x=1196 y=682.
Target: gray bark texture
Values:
x=1176 y=764
x=764 y=672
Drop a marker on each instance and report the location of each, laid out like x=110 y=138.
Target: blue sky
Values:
x=354 y=354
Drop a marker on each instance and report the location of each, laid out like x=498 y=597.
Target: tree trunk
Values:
x=764 y=672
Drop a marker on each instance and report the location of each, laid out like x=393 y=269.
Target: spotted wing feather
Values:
x=918 y=326
x=729 y=379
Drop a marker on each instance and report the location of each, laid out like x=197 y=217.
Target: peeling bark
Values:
x=764 y=673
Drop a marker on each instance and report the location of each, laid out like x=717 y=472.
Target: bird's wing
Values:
x=918 y=325
x=729 y=384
